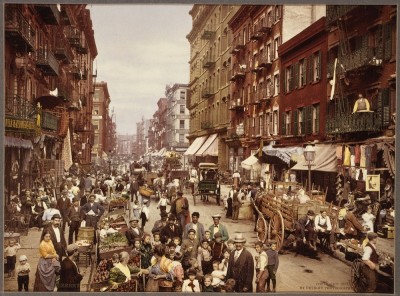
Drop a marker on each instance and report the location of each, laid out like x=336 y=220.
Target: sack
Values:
x=83 y=223
x=152 y=285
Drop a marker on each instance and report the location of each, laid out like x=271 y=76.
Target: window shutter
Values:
x=385 y=107
x=305 y=69
x=317 y=119
x=308 y=120
x=283 y=120
x=295 y=123
x=310 y=69
x=387 y=39
x=319 y=65
x=291 y=77
x=296 y=75
x=284 y=81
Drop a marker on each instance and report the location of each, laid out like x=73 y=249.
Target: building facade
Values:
x=49 y=52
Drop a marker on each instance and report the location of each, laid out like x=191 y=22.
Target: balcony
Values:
x=236 y=104
x=238 y=72
x=354 y=123
x=49 y=13
x=237 y=45
x=76 y=72
x=264 y=25
x=17 y=107
x=64 y=92
x=255 y=35
x=65 y=16
x=49 y=121
x=208 y=62
x=335 y=12
x=18 y=30
x=365 y=58
x=208 y=35
x=63 y=52
x=46 y=61
x=206 y=125
x=74 y=37
x=208 y=92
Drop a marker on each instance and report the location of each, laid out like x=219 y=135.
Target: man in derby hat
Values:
x=74 y=219
x=133 y=231
x=57 y=235
x=304 y=224
x=197 y=226
x=63 y=204
x=170 y=231
x=70 y=278
x=218 y=227
x=92 y=212
x=159 y=224
x=241 y=266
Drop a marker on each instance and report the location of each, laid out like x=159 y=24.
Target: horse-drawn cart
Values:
x=278 y=211
x=208 y=181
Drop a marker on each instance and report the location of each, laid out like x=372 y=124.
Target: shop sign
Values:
x=20 y=124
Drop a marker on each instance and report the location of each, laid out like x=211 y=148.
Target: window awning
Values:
x=203 y=151
x=195 y=145
x=17 y=142
x=251 y=163
x=325 y=159
x=212 y=150
x=284 y=153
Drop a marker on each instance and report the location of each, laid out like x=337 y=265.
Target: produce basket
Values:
x=83 y=246
x=144 y=191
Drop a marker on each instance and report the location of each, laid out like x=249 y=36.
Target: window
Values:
x=275 y=122
x=276 y=84
x=181 y=138
x=276 y=45
x=300 y=121
x=315 y=119
x=289 y=78
x=181 y=124
x=182 y=109
x=183 y=95
x=268 y=53
x=268 y=120
x=315 y=66
x=277 y=13
x=302 y=73
x=270 y=88
x=261 y=125
x=288 y=122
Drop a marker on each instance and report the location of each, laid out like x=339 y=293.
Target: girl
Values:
x=10 y=253
x=162 y=204
x=191 y=284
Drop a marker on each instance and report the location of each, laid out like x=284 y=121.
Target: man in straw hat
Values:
x=133 y=231
x=217 y=227
x=241 y=266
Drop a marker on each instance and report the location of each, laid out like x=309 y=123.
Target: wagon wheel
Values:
x=359 y=281
x=262 y=229
x=276 y=229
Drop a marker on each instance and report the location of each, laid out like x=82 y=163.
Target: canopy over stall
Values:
x=209 y=147
x=251 y=163
x=325 y=159
x=197 y=143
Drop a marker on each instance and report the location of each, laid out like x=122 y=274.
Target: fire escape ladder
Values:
x=343 y=53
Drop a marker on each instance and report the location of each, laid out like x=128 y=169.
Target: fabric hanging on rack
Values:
x=347 y=155
x=374 y=153
x=352 y=162
x=362 y=157
x=368 y=162
x=357 y=154
x=339 y=155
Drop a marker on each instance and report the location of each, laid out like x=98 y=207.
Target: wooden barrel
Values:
x=86 y=233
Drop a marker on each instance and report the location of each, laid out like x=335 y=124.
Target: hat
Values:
x=239 y=238
x=41 y=188
x=23 y=257
x=192 y=230
x=217 y=235
x=55 y=216
x=179 y=193
x=216 y=216
x=164 y=214
x=75 y=199
x=196 y=214
x=191 y=271
x=310 y=213
x=134 y=219
x=72 y=247
x=171 y=217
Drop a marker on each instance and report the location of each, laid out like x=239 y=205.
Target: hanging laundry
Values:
x=368 y=151
x=362 y=157
x=347 y=155
x=357 y=154
x=339 y=155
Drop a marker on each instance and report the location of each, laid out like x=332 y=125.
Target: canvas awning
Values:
x=212 y=150
x=284 y=153
x=325 y=159
x=251 y=163
x=195 y=146
x=17 y=142
x=208 y=148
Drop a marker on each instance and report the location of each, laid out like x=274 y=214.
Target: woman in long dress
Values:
x=48 y=265
x=161 y=272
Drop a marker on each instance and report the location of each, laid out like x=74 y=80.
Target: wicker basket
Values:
x=144 y=191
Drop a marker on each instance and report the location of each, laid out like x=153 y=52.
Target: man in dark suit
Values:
x=196 y=225
x=92 y=212
x=133 y=231
x=241 y=266
x=160 y=224
x=133 y=188
x=170 y=231
x=57 y=235
x=70 y=278
x=63 y=204
x=303 y=224
x=74 y=220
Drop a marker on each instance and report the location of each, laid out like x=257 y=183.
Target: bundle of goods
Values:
x=145 y=191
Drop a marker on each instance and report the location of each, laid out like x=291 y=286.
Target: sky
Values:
x=141 y=49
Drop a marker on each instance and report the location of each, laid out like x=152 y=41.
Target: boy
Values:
x=10 y=252
x=208 y=235
x=162 y=204
x=204 y=258
x=272 y=267
x=218 y=247
x=231 y=245
x=191 y=284
x=261 y=260
x=177 y=243
x=23 y=270
x=156 y=239
x=207 y=287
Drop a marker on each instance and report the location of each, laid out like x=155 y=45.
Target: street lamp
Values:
x=309 y=156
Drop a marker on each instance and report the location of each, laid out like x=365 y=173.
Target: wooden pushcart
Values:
x=277 y=215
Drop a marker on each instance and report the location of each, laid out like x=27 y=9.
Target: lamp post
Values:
x=309 y=156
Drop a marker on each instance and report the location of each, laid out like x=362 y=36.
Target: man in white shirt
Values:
x=323 y=227
x=57 y=235
x=48 y=214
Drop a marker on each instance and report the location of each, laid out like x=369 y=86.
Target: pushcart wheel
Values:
x=262 y=229
x=359 y=282
x=276 y=229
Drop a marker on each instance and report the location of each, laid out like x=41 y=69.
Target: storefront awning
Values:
x=205 y=148
x=195 y=145
x=162 y=151
x=17 y=142
x=251 y=163
x=325 y=159
x=284 y=153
